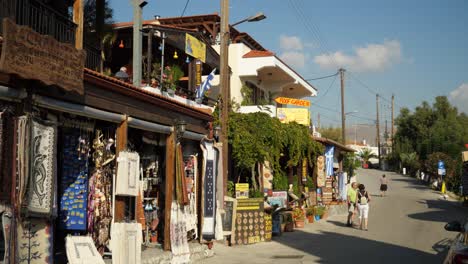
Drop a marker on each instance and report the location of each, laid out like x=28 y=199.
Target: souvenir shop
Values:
x=94 y=176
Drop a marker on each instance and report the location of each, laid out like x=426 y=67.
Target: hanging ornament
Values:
x=187 y=60
x=175 y=55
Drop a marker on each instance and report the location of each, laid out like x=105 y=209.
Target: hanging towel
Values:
x=126 y=243
x=128 y=171
x=209 y=176
x=81 y=249
x=42 y=173
x=181 y=183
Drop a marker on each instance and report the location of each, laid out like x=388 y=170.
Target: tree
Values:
x=333 y=133
x=366 y=154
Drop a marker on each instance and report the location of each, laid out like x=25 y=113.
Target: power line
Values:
x=185 y=8
x=326 y=92
x=324 y=77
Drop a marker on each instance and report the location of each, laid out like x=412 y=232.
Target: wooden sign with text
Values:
x=292 y=101
x=31 y=55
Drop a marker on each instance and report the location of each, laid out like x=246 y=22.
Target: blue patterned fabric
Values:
x=329 y=152
x=74 y=185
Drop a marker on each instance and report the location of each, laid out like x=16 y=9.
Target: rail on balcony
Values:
x=46 y=21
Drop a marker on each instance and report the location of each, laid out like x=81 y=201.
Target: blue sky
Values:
x=413 y=49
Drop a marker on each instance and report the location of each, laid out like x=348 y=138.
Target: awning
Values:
x=327 y=141
x=95 y=113
x=271 y=70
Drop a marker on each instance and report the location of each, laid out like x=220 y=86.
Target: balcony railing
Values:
x=46 y=21
x=40 y=17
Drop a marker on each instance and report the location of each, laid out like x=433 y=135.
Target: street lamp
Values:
x=224 y=81
x=259 y=16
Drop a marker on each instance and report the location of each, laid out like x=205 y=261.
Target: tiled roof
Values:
x=258 y=53
x=128 y=85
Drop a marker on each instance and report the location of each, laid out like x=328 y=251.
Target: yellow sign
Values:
x=195 y=47
x=292 y=101
x=299 y=115
x=242 y=190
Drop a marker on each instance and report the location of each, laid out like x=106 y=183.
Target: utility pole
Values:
x=225 y=98
x=378 y=128
x=137 y=41
x=393 y=121
x=343 y=116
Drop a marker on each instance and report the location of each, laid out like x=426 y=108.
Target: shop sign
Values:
x=252 y=225
x=31 y=55
x=195 y=47
x=299 y=115
x=279 y=198
x=242 y=190
x=198 y=73
x=292 y=101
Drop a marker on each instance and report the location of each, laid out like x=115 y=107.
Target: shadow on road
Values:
x=443 y=211
x=333 y=247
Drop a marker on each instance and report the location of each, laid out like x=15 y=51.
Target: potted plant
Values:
x=299 y=218
x=171 y=77
x=318 y=212
x=325 y=213
x=310 y=214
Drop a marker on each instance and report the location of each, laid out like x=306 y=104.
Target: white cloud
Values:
x=459 y=97
x=373 y=57
x=290 y=43
x=295 y=59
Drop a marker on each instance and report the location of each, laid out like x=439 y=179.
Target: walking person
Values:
x=383 y=185
x=363 y=206
x=352 y=197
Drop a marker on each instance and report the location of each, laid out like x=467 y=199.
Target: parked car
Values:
x=458 y=252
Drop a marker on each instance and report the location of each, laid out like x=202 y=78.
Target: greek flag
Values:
x=329 y=152
x=206 y=85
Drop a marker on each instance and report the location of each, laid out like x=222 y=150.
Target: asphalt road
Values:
x=407 y=226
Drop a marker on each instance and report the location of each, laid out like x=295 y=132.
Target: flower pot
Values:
x=299 y=223
x=317 y=217
x=325 y=215
x=311 y=219
x=170 y=92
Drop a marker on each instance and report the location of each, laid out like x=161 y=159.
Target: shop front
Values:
x=94 y=168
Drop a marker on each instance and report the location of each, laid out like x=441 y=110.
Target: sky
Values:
x=415 y=50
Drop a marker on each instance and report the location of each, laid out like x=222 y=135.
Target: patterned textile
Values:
x=6 y=217
x=35 y=241
x=126 y=243
x=209 y=175
x=190 y=211
x=181 y=183
x=22 y=157
x=6 y=154
x=74 y=184
x=81 y=249
x=342 y=185
x=128 y=171
x=43 y=169
x=100 y=206
x=329 y=154
x=179 y=244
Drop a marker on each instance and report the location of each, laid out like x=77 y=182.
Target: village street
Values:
x=407 y=226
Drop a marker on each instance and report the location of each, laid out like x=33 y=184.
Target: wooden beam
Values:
x=170 y=177
x=121 y=144
x=78 y=19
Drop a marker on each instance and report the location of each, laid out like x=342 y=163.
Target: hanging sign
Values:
x=292 y=101
x=198 y=73
x=242 y=190
x=195 y=47
x=298 y=115
x=31 y=55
